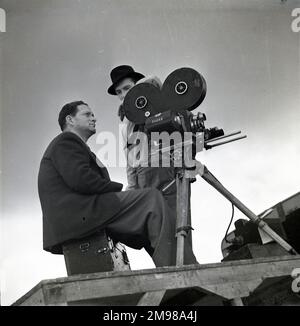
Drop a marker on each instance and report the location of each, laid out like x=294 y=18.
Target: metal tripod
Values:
x=184 y=177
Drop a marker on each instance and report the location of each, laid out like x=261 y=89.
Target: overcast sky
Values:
x=56 y=51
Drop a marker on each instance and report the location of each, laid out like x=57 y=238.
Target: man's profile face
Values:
x=84 y=120
x=123 y=87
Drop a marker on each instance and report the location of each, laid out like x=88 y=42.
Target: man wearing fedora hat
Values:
x=123 y=78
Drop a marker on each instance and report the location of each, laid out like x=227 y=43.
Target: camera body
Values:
x=182 y=121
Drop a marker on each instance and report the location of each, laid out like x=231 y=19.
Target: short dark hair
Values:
x=68 y=109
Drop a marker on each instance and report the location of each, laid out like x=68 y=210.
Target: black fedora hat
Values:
x=121 y=72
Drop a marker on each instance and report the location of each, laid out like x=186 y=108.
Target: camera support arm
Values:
x=205 y=174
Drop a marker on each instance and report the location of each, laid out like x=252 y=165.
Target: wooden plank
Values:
x=151 y=298
x=122 y=300
x=232 y=289
x=229 y=279
x=274 y=292
x=35 y=299
x=236 y=302
x=55 y=294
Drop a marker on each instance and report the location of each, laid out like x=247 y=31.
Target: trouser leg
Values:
x=159 y=178
x=146 y=221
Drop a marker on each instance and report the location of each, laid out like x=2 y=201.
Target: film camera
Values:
x=169 y=109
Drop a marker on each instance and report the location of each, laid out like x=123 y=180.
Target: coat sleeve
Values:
x=131 y=178
x=73 y=164
x=126 y=131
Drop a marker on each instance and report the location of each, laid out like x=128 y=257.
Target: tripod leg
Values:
x=213 y=181
x=182 y=216
x=189 y=221
x=236 y=302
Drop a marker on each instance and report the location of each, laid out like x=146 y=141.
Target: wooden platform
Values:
x=262 y=281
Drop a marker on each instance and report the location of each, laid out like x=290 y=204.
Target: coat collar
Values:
x=86 y=146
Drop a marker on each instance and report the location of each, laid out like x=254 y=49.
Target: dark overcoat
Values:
x=76 y=194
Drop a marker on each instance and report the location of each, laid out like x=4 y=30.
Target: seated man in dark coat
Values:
x=78 y=197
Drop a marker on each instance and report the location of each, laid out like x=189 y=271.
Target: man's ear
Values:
x=69 y=119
